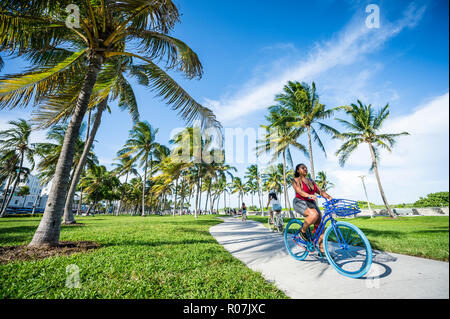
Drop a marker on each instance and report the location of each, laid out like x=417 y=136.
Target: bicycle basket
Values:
x=341 y=207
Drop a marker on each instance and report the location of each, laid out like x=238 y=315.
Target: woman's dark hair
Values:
x=273 y=195
x=296 y=174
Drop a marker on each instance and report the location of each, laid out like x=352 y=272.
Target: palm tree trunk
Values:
x=38 y=197
x=5 y=207
x=182 y=200
x=200 y=195
x=68 y=217
x=5 y=192
x=49 y=228
x=208 y=195
x=143 y=187
x=224 y=200
x=286 y=199
x=313 y=176
x=375 y=167
x=80 y=202
x=151 y=175
x=260 y=195
x=175 y=198
x=196 y=199
x=122 y=195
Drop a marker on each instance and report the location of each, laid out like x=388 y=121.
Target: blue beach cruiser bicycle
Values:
x=346 y=247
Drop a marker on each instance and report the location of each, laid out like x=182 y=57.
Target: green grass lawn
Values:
x=140 y=257
x=423 y=236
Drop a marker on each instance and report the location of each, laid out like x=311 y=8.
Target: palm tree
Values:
x=99 y=184
x=303 y=110
x=323 y=182
x=142 y=144
x=133 y=194
x=171 y=171
x=252 y=174
x=280 y=137
x=272 y=177
x=238 y=187
x=125 y=167
x=190 y=147
x=17 y=139
x=111 y=82
x=49 y=152
x=364 y=125
x=9 y=169
x=39 y=33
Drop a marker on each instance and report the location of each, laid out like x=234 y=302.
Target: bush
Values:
x=433 y=200
x=363 y=203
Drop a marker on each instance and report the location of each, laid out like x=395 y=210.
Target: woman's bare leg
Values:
x=311 y=217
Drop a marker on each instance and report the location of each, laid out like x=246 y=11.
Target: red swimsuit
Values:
x=306 y=190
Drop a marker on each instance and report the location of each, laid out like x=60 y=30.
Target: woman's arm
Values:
x=322 y=192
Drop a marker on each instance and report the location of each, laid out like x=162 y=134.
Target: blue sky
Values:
x=249 y=49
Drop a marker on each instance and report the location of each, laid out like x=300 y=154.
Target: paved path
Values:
x=391 y=275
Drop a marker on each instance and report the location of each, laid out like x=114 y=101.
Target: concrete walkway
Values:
x=391 y=275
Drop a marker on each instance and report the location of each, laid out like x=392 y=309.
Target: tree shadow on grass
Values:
x=369 y=232
x=158 y=243
x=16 y=234
x=206 y=222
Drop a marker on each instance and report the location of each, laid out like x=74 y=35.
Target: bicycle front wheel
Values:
x=295 y=246
x=347 y=249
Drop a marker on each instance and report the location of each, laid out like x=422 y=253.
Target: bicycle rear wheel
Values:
x=347 y=249
x=295 y=246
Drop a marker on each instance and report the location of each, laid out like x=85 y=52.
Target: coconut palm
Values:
x=191 y=147
x=171 y=171
x=17 y=139
x=99 y=184
x=280 y=138
x=323 y=182
x=238 y=187
x=252 y=174
x=125 y=167
x=9 y=169
x=39 y=32
x=142 y=147
x=364 y=125
x=49 y=152
x=272 y=177
x=303 y=110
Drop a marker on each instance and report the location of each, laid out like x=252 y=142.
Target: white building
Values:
x=33 y=183
x=34 y=199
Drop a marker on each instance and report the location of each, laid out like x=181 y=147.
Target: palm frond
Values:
x=177 y=97
x=39 y=82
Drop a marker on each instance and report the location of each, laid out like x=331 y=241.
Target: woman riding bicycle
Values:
x=276 y=206
x=304 y=202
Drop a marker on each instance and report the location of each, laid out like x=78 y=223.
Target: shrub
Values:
x=433 y=200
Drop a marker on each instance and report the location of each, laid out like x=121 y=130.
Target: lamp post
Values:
x=367 y=198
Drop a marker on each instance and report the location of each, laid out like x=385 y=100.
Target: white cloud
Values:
x=349 y=46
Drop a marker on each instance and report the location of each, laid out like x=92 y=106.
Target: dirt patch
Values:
x=65 y=248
